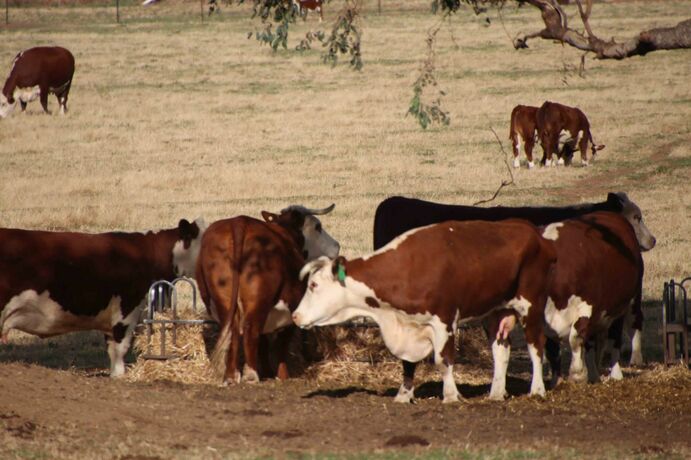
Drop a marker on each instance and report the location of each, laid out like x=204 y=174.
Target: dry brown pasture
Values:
x=172 y=118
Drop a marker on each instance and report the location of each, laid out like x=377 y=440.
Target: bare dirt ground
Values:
x=48 y=413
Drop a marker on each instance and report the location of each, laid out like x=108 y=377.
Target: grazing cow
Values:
x=303 y=5
x=247 y=274
x=419 y=286
x=597 y=280
x=57 y=282
x=553 y=120
x=523 y=124
x=37 y=72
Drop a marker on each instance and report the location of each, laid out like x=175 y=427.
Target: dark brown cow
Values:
x=37 y=72
x=247 y=274
x=555 y=120
x=523 y=124
x=57 y=282
x=304 y=5
x=418 y=287
x=597 y=281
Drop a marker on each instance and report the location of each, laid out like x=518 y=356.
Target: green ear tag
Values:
x=341 y=273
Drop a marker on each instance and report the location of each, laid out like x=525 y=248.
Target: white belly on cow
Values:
x=40 y=315
x=409 y=337
x=27 y=94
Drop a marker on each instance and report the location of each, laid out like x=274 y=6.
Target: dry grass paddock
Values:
x=172 y=118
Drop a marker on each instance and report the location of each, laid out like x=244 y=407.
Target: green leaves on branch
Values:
x=345 y=37
x=424 y=110
x=281 y=13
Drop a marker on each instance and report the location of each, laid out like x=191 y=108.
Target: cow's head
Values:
x=7 y=105
x=633 y=214
x=594 y=148
x=326 y=298
x=186 y=249
x=315 y=242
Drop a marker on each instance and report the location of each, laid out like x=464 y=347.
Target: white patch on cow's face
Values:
x=561 y=321
x=185 y=258
x=5 y=107
x=633 y=214
x=551 y=232
x=317 y=242
x=279 y=316
x=395 y=243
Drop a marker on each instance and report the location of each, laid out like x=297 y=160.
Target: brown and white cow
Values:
x=37 y=72
x=597 y=281
x=421 y=285
x=555 y=120
x=57 y=282
x=303 y=5
x=523 y=124
x=248 y=277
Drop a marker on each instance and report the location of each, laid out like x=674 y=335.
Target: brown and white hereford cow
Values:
x=57 y=282
x=247 y=274
x=421 y=285
x=597 y=281
x=555 y=120
x=523 y=124
x=303 y=5
x=37 y=72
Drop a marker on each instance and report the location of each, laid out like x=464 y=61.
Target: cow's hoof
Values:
x=516 y=163
x=531 y=165
x=615 y=373
x=497 y=395
x=578 y=377
x=250 y=376
x=451 y=399
x=636 y=360
x=404 y=395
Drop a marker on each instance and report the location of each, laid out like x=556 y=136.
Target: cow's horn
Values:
x=319 y=212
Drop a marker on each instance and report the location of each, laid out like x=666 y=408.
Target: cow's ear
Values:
x=338 y=269
x=269 y=216
x=187 y=230
x=615 y=200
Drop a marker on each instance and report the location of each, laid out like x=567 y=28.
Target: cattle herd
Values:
x=569 y=274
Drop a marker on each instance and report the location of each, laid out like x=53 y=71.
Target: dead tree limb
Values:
x=557 y=28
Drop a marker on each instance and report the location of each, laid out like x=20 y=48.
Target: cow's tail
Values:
x=595 y=147
x=219 y=356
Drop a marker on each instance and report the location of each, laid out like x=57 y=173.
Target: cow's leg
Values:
x=535 y=338
x=516 y=146
x=256 y=312
x=405 y=393
x=577 y=370
x=62 y=98
x=232 y=374
x=529 y=144
x=44 y=98
x=637 y=327
x=499 y=326
x=120 y=341
x=22 y=104
x=282 y=343
x=553 y=353
x=592 y=358
x=445 y=361
x=614 y=335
